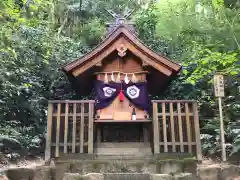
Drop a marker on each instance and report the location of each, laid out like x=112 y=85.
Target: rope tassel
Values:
x=126 y=79
x=134 y=78
x=121 y=96
x=106 y=78
x=112 y=78
x=118 y=80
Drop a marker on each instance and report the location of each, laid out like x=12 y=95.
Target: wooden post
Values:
x=58 y=129
x=172 y=128
x=66 y=129
x=164 y=127
x=180 y=126
x=82 y=128
x=189 y=135
x=90 y=128
x=74 y=128
x=224 y=158
x=49 y=133
x=145 y=134
x=197 y=131
x=98 y=135
x=155 y=129
x=218 y=80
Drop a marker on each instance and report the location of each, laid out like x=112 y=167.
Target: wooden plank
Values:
x=98 y=135
x=86 y=143
x=94 y=52
x=180 y=127
x=176 y=114
x=124 y=121
x=174 y=101
x=145 y=134
x=58 y=130
x=189 y=137
x=74 y=128
x=70 y=114
x=82 y=128
x=96 y=60
x=139 y=45
x=164 y=127
x=172 y=127
x=156 y=135
x=71 y=101
x=197 y=131
x=90 y=129
x=160 y=67
x=134 y=42
x=49 y=133
x=66 y=128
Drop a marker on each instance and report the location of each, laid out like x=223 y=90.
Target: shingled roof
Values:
x=136 y=46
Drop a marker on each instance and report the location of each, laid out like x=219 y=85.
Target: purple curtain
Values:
x=106 y=93
x=136 y=93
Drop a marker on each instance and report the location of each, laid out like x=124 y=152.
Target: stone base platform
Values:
x=108 y=165
x=224 y=172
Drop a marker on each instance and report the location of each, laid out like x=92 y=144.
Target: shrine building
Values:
x=122 y=118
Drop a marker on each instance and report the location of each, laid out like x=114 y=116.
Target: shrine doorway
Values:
x=123 y=138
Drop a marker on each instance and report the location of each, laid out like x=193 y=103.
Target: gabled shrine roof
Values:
x=135 y=45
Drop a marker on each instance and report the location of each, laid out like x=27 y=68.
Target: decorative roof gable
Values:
x=122 y=36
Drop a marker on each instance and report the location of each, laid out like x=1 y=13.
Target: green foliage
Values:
x=37 y=38
x=204 y=42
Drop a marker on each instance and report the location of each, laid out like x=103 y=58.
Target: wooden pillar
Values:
x=145 y=134
x=90 y=128
x=197 y=131
x=66 y=129
x=172 y=127
x=189 y=135
x=180 y=126
x=74 y=128
x=58 y=130
x=82 y=129
x=49 y=133
x=155 y=129
x=164 y=127
x=98 y=134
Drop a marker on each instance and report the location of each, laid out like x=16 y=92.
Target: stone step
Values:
x=127 y=176
x=123 y=145
x=123 y=149
x=125 y=157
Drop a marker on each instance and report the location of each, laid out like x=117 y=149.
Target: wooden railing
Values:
x=176 y=127
x=69 y=127
x=71 y=124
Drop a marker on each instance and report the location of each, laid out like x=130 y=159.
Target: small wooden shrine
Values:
x=122 y=72
x=124 y=69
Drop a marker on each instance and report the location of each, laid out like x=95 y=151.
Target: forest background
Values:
x=38 y=36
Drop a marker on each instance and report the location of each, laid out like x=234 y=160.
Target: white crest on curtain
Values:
x=108 y=92
x=133 y=92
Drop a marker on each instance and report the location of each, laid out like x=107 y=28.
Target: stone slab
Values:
x=161 y=177
x=77 y=176
x=20 y=174
x=126 y=176
x=183 y=176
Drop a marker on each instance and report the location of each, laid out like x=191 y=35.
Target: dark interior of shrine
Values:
x=123 y=132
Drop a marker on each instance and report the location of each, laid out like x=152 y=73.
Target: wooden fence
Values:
x=69 y=128
x=176 y=127
x=71 y=124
